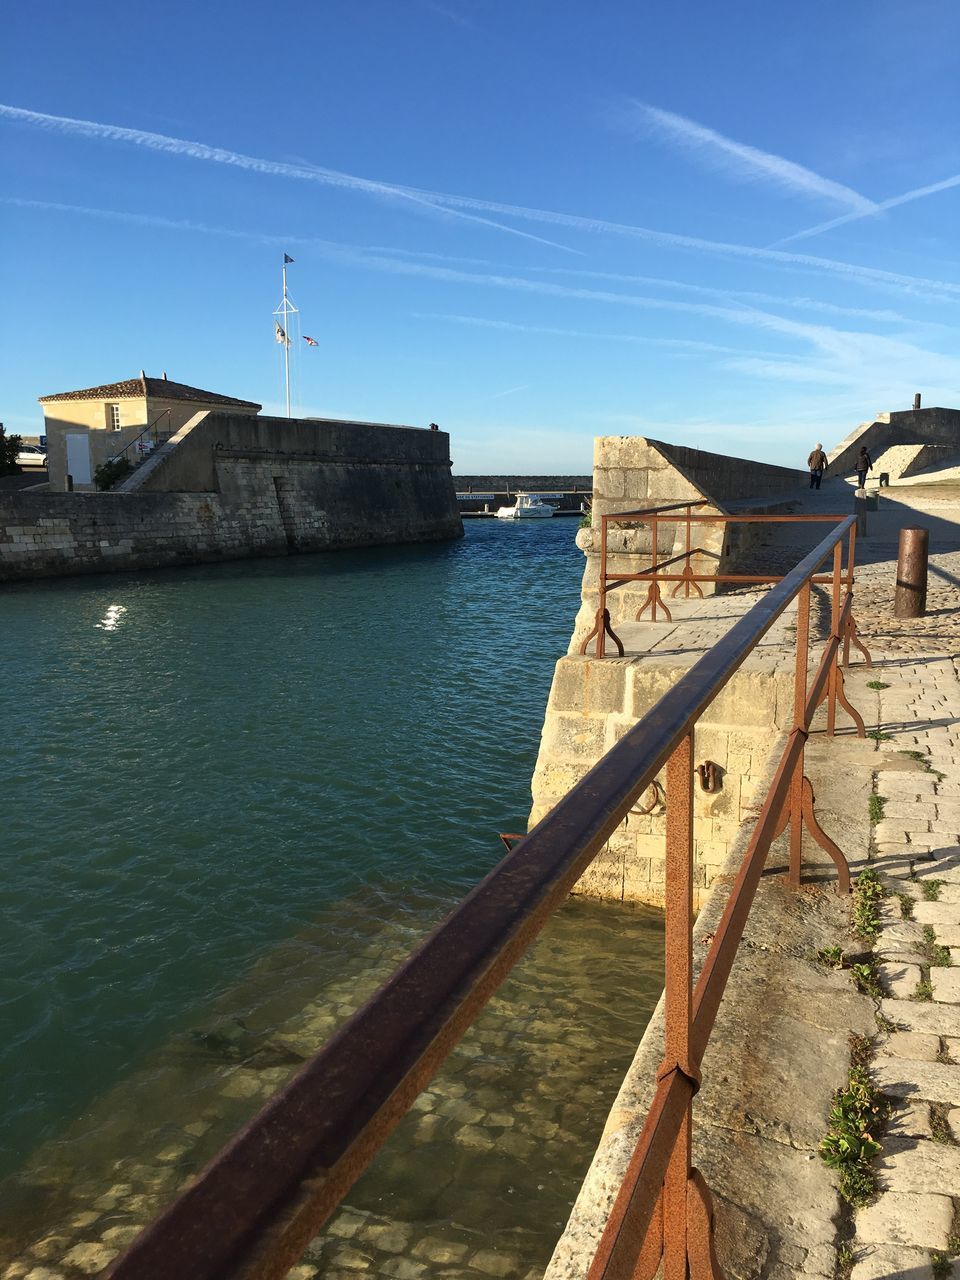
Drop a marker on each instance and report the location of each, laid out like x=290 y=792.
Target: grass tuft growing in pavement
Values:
x=931 y=889
x=876 y=808
x=856 y=1121
x=868 y=979
x=877 y=684
x=924 y=991
x=868 y=893
x=846 y=1257
x=878 y=735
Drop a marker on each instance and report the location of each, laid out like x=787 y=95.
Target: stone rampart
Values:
x=932 y=426
x=593 y=704
x=278 y=488
x=632 y=473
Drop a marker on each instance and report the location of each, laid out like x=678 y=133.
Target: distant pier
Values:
x=480 y=496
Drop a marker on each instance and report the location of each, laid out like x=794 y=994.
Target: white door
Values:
x=78 y=458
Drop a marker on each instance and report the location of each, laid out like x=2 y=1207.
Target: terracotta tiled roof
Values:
x=161 y=388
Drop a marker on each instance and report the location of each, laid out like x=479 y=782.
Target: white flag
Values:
x=281 y=336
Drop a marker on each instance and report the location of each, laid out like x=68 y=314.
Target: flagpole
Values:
x=286 y=330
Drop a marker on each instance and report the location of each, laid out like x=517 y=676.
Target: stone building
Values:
x=86 y=428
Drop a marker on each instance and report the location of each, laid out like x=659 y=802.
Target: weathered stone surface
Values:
x=946 y=985
x=921 y=1015
x=891 y=1262
x=900 y=979
x=907 y=1218
x=341 y=485
x=924 y=1166
x=932 y=1081
x=924 y=1047
x=90 y=1258
x=909 y=1120
x=935 y=913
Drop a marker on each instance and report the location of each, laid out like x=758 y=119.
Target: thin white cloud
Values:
x=220 y=155
x=918 y=193
x=683 y=346
x=852 y=354
x=710 y=291
x=739 y=159
x=510 y=391
x=234 y=233
x=576 y=222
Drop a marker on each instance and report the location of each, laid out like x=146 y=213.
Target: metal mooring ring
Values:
x=709 y=775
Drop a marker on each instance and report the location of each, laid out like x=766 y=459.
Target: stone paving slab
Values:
x=900 y=979
x=909 y=1218
x=932 y=1081
x=919 y=1045
x=921 y=1015
x=892 y=1262
x=928 y=1167
x=946 y=986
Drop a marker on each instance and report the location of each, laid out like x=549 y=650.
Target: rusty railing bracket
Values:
x=836 y=689
x=654 y=598
x=852 y=636
x=601 y=626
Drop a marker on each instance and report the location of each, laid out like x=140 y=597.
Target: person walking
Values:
x=817 y=462
x=863 y=465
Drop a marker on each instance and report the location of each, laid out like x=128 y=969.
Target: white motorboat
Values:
x=529 y=506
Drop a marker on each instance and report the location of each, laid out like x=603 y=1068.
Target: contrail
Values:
x=275 y=168
x=918 y=193
x=744 y=160
x=576 y=222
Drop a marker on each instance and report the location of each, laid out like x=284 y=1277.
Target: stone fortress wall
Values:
x=937 y=430
x=229 y=486
x=593 y=703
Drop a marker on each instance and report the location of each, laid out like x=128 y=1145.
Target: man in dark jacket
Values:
x=863 y=465
x=817 y=462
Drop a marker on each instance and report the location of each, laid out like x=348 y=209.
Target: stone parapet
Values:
x=594 y=703
x=296 y=489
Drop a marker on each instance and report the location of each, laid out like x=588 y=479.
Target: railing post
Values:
x=687 y=558
x=799 y=725
x=654 y=557
x=678 y=988
x=834 y=631
x=851 y=558
x=602 y=613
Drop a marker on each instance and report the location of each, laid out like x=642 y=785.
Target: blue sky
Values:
x=731 y=226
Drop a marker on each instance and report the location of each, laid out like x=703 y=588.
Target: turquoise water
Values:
x=230 y=788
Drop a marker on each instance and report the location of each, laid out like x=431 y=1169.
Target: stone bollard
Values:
x=910 y=599
x=860 y=508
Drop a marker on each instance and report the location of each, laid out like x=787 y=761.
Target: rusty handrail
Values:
x=655 y=516
x=255 y=1207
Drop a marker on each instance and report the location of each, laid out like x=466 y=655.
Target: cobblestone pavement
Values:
x=913 y=1227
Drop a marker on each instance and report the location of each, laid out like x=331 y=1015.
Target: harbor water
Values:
x=235 y=796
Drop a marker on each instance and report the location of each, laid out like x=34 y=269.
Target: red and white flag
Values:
x=311 y=342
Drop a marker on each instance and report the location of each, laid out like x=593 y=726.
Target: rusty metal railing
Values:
x=255 y=1207
x=686 y=578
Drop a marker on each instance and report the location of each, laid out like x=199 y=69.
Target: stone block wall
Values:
x=46 y=535
x=593 y=704
x=297 y=488
x=635 y=473
x=933 y=426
